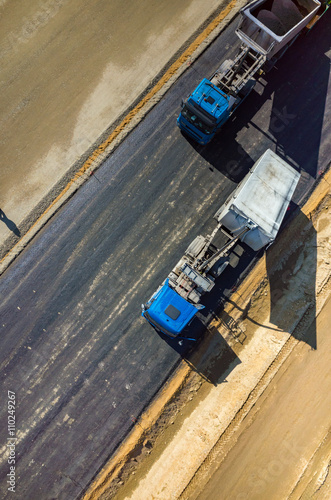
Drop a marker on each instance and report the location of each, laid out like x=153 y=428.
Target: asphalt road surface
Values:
x=74 y=348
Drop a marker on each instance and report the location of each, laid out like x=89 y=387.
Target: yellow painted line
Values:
x=165 y=78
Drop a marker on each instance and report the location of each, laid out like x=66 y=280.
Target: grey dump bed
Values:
x=269 y=25
x=262 y=197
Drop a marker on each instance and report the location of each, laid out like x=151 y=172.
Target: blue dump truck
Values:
x=252 y=214
x=266 y=29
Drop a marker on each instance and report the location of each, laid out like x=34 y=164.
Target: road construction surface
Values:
x=74 y=348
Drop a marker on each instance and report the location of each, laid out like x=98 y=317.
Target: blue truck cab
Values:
x=168 y=312
x=204 y=112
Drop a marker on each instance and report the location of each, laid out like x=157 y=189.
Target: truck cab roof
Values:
x=168 y=311
x=211 y=99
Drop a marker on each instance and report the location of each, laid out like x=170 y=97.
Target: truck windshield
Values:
x=152 y=322
x=197 y=119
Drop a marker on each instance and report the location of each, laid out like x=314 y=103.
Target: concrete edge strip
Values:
x=128 y=124
x=245 y=290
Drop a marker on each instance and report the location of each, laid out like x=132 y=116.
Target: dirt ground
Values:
x=261 y=428
x=283 y=447
x=70 y=69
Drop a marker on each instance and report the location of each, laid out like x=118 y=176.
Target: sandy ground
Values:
x=69 y=69
x=262 y=428
x=286 y=433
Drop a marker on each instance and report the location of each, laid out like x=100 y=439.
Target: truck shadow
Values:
x=216 y=361
x=277 y=112
x=209 y=355
x=233 y=162
x=292 y=280
x=302 y=98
